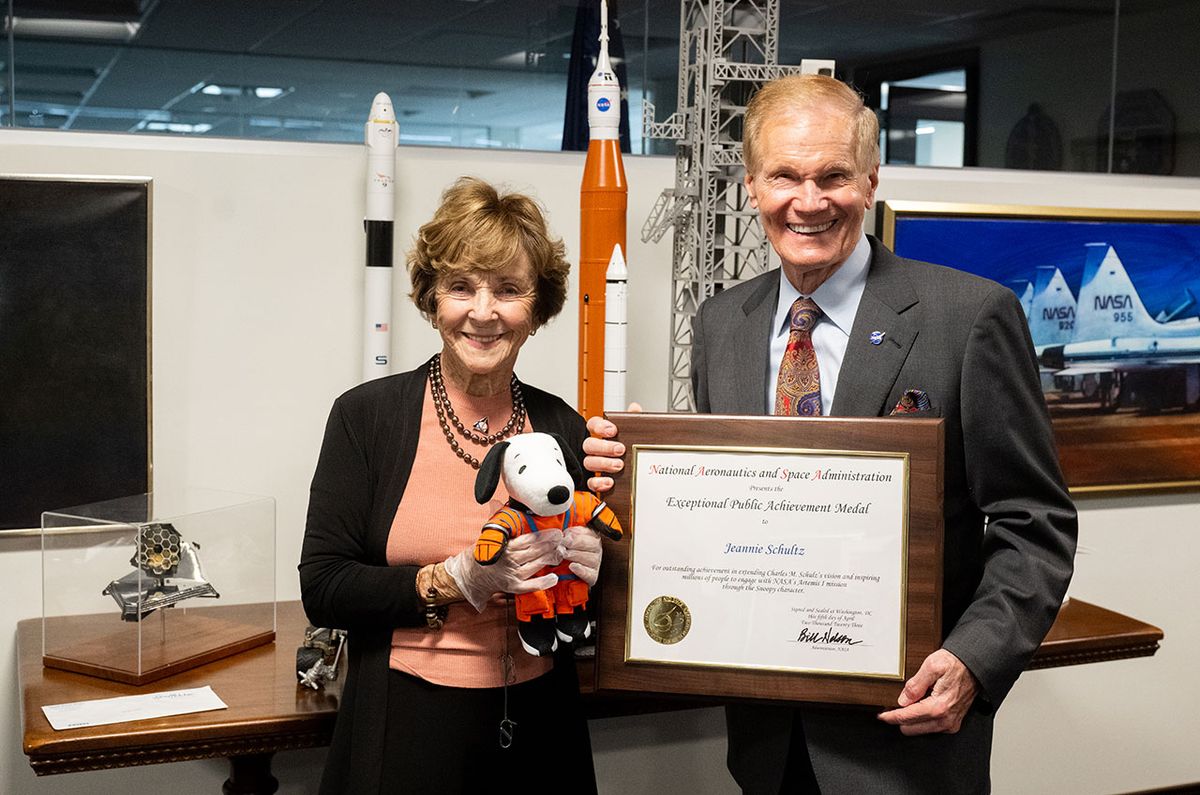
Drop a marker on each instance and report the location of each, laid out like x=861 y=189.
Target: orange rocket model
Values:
x=602 y=199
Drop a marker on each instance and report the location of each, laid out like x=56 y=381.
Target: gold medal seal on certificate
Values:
x=667 y=620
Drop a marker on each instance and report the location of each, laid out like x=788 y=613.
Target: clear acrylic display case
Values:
x=143 y=587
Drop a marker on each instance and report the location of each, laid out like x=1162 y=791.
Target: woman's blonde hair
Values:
x=477 y=228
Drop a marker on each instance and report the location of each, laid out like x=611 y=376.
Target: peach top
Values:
x=437 y=517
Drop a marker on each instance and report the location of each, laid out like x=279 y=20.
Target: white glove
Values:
x=512 y=572
x=584 y=550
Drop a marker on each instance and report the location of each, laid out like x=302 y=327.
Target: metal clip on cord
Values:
x=508 y=672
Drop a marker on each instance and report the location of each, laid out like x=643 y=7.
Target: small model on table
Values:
x=168 y=572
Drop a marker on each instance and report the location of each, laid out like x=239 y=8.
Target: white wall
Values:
x=257 y=293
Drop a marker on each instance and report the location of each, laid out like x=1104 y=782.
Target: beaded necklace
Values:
x=447 y=418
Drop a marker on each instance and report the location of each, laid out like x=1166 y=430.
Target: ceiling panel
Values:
x=455 y=61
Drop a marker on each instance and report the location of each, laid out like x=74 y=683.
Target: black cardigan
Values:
x=345 y=582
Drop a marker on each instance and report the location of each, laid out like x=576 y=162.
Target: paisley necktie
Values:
x=798 y=392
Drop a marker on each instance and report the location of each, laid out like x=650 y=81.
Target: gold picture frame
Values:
x=1113 y=302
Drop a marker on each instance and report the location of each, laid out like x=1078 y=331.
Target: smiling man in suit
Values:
x=846 y=328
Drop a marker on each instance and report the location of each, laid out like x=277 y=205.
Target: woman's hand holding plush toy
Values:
x=513 y=571
x=584 y=550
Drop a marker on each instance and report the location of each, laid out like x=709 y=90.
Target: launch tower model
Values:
x=727 y=50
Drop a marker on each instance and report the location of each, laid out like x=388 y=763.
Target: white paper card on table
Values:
x=124 y=708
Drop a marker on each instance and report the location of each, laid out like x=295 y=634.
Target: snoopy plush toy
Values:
x=540 y=473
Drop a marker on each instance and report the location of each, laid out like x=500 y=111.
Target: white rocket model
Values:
x=381 y=138
x=604 y=90
x=616 y=292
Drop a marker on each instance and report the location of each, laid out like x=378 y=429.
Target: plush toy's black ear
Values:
x=570 y=460
x=489 y=473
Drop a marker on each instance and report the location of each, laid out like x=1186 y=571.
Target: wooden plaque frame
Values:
x=921 y=439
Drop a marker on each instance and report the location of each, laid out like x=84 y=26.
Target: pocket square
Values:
x=913 y=401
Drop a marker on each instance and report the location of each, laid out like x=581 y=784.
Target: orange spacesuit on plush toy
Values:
x=540 y=472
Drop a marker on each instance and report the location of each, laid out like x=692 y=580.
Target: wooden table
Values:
x=1085 y=633
x=268 y=712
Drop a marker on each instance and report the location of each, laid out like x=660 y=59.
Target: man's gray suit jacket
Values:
x=1010 y=525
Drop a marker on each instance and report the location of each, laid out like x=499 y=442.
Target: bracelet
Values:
x=435 y=613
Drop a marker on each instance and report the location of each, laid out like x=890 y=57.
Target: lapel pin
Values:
x=877 y=337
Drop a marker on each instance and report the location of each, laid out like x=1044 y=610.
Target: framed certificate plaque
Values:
x=773 y=557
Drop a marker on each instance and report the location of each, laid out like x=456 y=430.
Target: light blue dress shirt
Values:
x=838 y=298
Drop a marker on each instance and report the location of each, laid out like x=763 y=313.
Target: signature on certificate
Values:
x=829 y=635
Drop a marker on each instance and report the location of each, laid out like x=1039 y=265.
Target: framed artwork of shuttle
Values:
x=1113 y=303
x=74 y=343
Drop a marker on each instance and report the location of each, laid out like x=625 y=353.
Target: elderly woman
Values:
x=440 y=696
